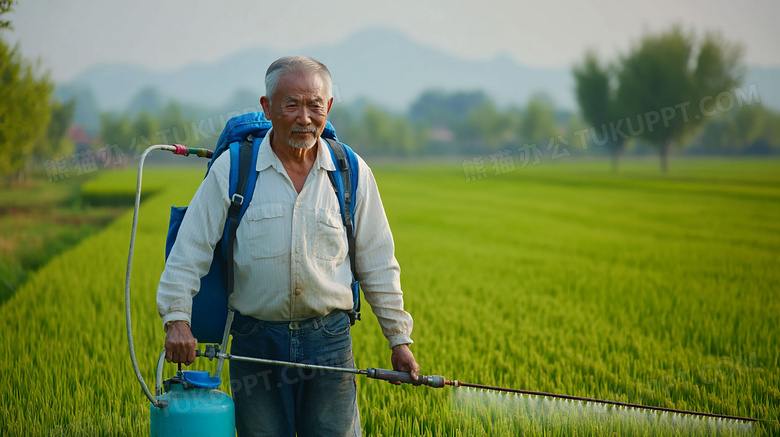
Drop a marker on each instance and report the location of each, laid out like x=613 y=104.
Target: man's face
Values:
x=298 y=109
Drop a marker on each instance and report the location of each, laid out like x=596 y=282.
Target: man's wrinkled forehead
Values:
x=301 y=86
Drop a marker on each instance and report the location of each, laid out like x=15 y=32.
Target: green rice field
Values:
x=562 y=277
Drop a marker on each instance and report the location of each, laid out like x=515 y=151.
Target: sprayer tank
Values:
x=193 y=412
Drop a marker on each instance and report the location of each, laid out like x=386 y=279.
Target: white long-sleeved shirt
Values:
x=290 y=255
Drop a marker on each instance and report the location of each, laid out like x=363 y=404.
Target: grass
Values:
x=561 y=277
x=39 y=221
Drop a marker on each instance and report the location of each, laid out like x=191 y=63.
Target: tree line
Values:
x=672 y=90
x=465 y=123
x=32 y=123
x=438 y=122
x=667 y=89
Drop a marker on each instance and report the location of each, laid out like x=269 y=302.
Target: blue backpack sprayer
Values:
x=189 y=403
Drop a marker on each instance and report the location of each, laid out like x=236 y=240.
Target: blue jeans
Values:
x=280 y=401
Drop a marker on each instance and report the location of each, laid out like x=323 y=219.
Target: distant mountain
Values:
x=386 y=67
x=380 y=65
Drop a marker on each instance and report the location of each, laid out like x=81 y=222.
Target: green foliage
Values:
x=441 y=109
x=741 y=128
x=718 y=66
x=5 y=7
x=472 y=119
x=657 y=75
x=146 y=126
x=628 y=287
x=116 y=129
x=377 y=131
x=671 y=72
x=538 y=123
x=54 y=142
x=597 y=97
x=576 y=124
x=24 y=103
x=171 y=115
x=478 y=125
x=484 y=127
x=594 y=92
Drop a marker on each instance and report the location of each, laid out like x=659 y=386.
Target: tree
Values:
x=384 y=133
x=116 y=129
x=54 y=142
x=145 y=127
x=24 y=109
x=750 y=122
x=345 y=123
x=771 y=133
x=719 y=134
x=171 y=121
x=483 y=128
x=666 y=77
x=538 y=120
x=441 y=109
x=597 y=97
x=739 y=129
x=5 y=7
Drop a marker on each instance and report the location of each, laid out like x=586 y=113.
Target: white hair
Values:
x=296 y=64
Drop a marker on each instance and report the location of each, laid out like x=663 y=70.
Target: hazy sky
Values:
x=71 y=35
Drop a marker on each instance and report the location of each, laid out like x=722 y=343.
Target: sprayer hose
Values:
x=130 y=344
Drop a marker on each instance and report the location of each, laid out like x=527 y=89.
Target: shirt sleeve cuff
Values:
x=175 y=316
x=397 y=339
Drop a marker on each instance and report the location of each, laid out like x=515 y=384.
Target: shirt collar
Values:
x=324 y=157
x=267 y=158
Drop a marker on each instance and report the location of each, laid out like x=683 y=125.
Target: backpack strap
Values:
x=240 y=165
x=344 y=181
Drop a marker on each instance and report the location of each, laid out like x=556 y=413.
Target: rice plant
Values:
x=557 y=278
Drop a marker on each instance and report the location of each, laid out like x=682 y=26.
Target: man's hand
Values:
x=180 y=345
x=403 y=361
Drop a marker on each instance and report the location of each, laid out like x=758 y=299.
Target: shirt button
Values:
x=297 y=250
x=297 y=291
x=298 y=204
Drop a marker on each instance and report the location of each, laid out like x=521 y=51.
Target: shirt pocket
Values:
x=265 y=230
x=330 y=243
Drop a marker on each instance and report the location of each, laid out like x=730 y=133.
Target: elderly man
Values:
x=293 y=276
